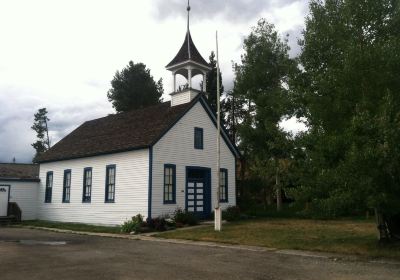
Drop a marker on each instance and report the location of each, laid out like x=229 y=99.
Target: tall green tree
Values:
x=211 y=84
x=40 y=126
x=261 y=80
x=134 y=87
x=349 y=91
x=233 y=112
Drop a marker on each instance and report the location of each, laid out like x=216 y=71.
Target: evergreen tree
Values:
x=134 y=87
x=40 y=126
x=211 y=86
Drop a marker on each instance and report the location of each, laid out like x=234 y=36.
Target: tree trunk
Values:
x=47 y=133
x=383 y=232
x=278 y=192
x=269 y=198
x=265 y=195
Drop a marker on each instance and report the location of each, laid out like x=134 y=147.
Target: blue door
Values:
x=198 y=195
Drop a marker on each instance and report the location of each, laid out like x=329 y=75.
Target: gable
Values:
x=204 y=112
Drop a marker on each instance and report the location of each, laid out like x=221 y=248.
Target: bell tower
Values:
x=189 y=63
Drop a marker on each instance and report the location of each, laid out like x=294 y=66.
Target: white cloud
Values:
x=62 y=55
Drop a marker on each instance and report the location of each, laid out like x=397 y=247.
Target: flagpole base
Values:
x=217 y=219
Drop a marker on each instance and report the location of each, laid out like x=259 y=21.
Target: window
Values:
x=223 y=187
x=87 y=184
x=66 y=186
x=49 y=187
x=198 y=138
x=169 y=183
x=110 y=183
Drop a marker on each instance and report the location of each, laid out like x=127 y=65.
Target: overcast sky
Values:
x=62 y=55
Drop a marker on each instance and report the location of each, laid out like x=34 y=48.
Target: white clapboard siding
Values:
x=183 y=97
x=131 y=189
x=25 y=195
x=177 y=147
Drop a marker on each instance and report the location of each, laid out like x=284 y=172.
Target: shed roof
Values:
x=19 y=172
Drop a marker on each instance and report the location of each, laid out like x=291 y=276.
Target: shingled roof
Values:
x=183 y=54
x=117 y=133
x=19 y=172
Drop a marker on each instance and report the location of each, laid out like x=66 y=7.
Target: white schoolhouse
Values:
x=148 y=161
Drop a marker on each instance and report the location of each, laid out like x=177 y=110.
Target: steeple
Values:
x=189 y=63
x=188 y=29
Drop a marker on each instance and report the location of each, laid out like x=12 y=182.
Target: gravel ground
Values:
x=35 y=254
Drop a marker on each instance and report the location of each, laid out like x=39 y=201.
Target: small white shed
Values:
x=19 y=185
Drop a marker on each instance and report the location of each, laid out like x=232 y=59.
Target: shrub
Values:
x=158 y=224
x=232 y=213
x=183 y=217
x=132 y=225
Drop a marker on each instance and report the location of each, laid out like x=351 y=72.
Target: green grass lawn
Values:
x=341 y=236
x=73 y=226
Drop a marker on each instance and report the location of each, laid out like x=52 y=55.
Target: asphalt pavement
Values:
x=36 y=254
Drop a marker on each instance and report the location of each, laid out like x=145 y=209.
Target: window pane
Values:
x=169 y=173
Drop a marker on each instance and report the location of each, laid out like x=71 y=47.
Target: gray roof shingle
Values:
x=117 y=133
x=19 y=171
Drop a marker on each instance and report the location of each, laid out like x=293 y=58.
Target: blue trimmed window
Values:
x=49 y=187
x=87 y=184
x=110 y=184
x=198 y=138
x=223 y=187
x=169 y=184
x=66 y=186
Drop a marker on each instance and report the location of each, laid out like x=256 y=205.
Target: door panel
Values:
x=194 y=200
x=198 y=192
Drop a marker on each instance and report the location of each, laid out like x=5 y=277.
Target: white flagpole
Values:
x=217 y=210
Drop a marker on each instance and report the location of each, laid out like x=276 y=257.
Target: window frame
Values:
x=173 y=167
x=199 y=146
x=65 y=187
x=49 y=190
x=107 y=185
x=87 y=199
x=224 y=186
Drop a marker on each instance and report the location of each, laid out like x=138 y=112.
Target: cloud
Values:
x=16 y=120
x=294 y=35
x=233 y=10
x=67 y=65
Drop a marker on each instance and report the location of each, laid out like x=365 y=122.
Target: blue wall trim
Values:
x=198 y=132
x=64 y=200
x=108 y=167
x=88 y=200
x=173 y=201
x=150 y=182
x=226 y=199
x=48 y=194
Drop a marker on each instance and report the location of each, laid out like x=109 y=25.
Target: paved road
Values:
x=24 y=256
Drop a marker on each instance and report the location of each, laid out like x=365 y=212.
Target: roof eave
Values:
x=179 y=65
x=95 y=154
x=6 y=179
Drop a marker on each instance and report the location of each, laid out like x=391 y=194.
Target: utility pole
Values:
x=217 y=210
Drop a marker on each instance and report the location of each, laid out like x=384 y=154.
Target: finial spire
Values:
x=188 y=32
x=188 y=9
